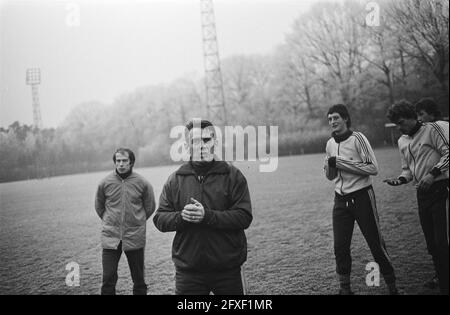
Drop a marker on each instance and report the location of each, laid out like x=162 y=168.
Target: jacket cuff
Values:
x=435 y=172
x=179 y=222
x=207 y=217
x=402 y=179
x=332 y=161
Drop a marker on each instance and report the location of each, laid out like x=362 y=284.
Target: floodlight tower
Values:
x=215 y=101
x=34 y=79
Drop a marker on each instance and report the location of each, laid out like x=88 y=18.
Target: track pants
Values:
x=433 y=214
x=359 y=206
x=110 y=262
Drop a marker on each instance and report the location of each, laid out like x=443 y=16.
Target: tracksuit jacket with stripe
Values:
x=355 y=162
x=350 y=164
x=426 y=151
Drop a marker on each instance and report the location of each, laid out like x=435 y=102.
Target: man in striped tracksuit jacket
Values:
x=350 y=162
x=424 y=152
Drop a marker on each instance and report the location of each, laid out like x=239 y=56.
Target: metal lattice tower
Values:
x=215 y=100
x=34 y=79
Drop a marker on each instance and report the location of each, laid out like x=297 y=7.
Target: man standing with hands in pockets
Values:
x=207 y=203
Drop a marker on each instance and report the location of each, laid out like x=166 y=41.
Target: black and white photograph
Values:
x=244 y=149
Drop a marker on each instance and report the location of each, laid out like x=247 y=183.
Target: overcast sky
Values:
x=118 y=46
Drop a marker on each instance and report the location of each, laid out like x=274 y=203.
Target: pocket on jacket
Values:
x=109 y=230
x=109 y=219
x=135 y=217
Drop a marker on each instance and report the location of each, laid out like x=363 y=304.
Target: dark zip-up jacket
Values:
x=219 y=241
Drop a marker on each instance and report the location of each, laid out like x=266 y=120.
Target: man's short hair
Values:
x=122 y=151
x=203 y=124
x=429 y=106
x=401 y=109
x=342 y=110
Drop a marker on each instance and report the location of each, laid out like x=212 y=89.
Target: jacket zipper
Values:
x=414 y=160
x=340 y=174
x=201 y=179
x=123 y=210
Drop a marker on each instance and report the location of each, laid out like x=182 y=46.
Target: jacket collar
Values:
x=219 y=167
x=116 y=175
x=415 y=129
x=343 y=137
x=125 y=175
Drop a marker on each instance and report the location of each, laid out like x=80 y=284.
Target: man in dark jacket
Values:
x=124 y=201
x=207 y=203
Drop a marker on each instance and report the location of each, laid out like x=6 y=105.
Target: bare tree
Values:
x=331 y=37
x=249 y=89
x=424 y=28
x=298 y=79
x=383 y=53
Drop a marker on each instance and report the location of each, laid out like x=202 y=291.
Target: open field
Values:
x=48 y=223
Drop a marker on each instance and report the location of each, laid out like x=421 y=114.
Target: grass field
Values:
x=48 y=223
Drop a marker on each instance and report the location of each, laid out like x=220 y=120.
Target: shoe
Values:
x=433 y=283
x=344 y=285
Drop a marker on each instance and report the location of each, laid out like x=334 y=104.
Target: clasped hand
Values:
x=193 y=212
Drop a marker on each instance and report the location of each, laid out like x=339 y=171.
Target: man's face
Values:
x=201 y=144
x=337 y=123
x=423 y=116
x=123 y=163
x=406 y=125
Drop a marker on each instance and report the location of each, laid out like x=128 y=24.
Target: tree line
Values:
x=330 y=55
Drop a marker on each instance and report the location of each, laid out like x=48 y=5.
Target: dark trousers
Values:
x=433 y=214
x=359 y=206
x=110 y=262
x=224 y=282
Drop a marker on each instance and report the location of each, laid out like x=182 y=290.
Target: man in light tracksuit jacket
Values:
x=424 y=152
x=350 y=162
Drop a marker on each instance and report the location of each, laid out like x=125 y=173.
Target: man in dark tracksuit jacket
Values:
x=207 y=203
x=350 y=162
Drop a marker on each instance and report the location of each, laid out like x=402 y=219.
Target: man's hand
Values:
x=425 y=183
x=193 y=213
x=393 y=181
x=330 y=172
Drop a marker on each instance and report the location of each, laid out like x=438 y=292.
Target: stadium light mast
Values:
x=215 y=100
x=33 y=77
